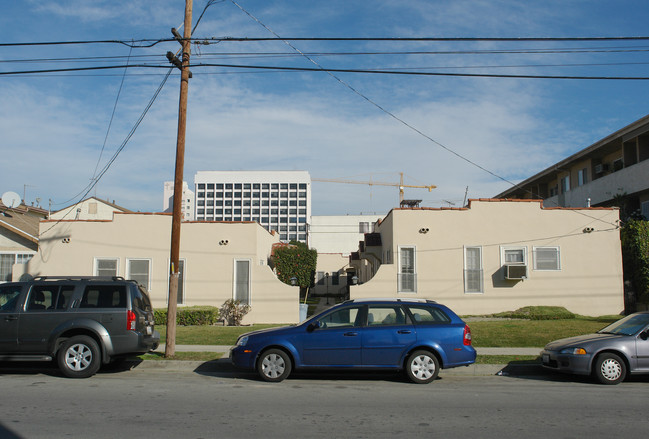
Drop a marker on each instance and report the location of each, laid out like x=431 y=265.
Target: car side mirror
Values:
x=644 y=334
x=313 y=326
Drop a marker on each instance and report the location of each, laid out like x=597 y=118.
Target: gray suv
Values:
x=81 y=322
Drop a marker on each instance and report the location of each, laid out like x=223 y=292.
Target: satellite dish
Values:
x=11 y=199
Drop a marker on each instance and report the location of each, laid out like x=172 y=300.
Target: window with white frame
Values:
x=513 y=255
x=139 y=270
x=407 y=280
x=547 y=258
x=242 y=281
x=106 y=267
x=473 y=270
x=645 y=210
x=7 y=261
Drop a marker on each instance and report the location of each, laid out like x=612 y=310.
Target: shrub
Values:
x=233 y=311
x=538 y=313
x=189 y=316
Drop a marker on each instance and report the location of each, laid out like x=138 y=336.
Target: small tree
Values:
x=233 y=311
x=635 y=255
x=296 y=262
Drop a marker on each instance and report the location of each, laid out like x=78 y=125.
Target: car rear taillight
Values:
x=467 y=335
x=130 y=320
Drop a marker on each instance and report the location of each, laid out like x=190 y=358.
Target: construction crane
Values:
x=400 y=185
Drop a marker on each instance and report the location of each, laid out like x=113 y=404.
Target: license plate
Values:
x=149 y=331
x=546 y=358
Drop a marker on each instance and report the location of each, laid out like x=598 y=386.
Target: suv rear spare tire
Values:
x=79 y=357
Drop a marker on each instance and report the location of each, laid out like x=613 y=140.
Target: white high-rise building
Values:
x=187 y=206
x=278 y=200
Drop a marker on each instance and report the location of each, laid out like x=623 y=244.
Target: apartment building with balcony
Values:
x=612 y=171
x=278 y=200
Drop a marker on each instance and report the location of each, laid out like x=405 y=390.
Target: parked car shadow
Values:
x=528 y=371
x=222 y=368
x=50 y=368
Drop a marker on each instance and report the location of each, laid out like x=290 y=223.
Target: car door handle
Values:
x=404 y=331
x=8 y=318
x=350 y=334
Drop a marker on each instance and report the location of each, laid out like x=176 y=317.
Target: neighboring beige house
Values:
x=219 y=261
x=18 y=236
x=89 y=209
x=496 y=255
x=611 y=171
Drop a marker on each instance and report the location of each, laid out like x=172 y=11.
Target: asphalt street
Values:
x=205 y=400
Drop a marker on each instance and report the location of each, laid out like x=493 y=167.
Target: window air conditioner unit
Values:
x=601 y=168
x=515 y=271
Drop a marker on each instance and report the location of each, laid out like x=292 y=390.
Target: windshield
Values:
x=627 y=326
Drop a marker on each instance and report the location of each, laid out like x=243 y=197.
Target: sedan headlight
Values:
x=242 y=341
x=573 y=351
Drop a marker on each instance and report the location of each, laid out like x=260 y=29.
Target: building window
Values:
x=473 y=270
x=364 y=227
x=106 y=267
x=582 y=177
x=513 y=255
x=645 y=210
x=242 y=281
x=7 y=261
x=547 y=258
x=139 y=271
x=407 y=282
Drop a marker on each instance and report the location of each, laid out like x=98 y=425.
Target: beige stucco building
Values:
x=496 y=255
x=219 y=261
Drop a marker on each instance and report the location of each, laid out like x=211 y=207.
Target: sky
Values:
x=471 y=136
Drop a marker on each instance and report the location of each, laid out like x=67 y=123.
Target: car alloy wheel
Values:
x=79 y=357
x=610 y=369
x=274 y=365
x=422 y=367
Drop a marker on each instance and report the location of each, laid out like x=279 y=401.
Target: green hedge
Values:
x=189 y=316
x=538 y=313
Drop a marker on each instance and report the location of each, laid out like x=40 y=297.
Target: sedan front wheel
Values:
x=274 y=365
x=610 y=369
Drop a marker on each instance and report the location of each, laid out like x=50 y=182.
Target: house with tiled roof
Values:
x=495 y=255
x=18 y=236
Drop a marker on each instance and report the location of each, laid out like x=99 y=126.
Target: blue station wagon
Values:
x=418 y=336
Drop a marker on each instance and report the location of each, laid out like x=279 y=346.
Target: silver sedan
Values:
x=610 y=354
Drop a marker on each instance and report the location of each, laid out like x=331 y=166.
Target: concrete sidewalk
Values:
x=481 y=351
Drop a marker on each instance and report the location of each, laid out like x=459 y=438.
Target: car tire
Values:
x=609 y=369
x=274 y=365
x=422 y=367
x=79 y=357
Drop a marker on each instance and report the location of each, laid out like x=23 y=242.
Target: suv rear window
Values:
x=104 y=296
x=49 y=297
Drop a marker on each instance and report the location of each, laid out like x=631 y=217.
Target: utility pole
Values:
x=174 y=275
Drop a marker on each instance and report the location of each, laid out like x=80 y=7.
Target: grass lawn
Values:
x=208 y=335
x=532 y=333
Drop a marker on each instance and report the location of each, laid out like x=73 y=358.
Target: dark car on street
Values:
x=609 y=355
x=418 y=336
x=81 y=322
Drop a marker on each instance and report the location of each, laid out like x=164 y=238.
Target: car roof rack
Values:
x=104 y=278
x=391 y=299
